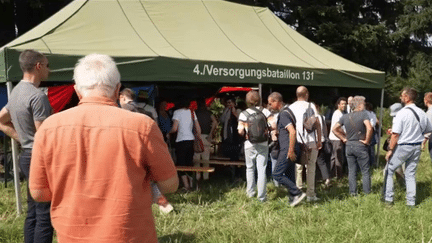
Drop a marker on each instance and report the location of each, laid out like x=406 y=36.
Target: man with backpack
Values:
x=308 y=128
x=283 y=171
x=253 y=125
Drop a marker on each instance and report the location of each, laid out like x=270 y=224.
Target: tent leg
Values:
x=260 y=93
x=14 y=146
x=380 y=126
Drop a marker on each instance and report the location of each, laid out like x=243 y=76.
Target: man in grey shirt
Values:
x=357 y=139
x=27 y=108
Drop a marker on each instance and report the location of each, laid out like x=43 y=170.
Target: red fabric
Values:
x=209 y=100
x=59 y=96
x=232 y=89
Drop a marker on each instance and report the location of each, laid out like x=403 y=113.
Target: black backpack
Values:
x=258 y=129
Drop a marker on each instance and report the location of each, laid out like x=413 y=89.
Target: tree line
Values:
x=394 y=36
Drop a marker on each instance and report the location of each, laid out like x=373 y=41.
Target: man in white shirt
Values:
x=409 y=127
x=348 y=108
x=256 y=153
x=312 y=141
x=338 y=156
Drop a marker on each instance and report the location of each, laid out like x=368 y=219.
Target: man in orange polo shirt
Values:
x=94 y=163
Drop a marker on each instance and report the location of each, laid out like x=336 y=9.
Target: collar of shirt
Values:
x=97 y=101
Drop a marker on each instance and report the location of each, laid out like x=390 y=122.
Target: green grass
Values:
x=220 y=212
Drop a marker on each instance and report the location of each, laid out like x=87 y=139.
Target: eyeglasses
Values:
x=46 y=64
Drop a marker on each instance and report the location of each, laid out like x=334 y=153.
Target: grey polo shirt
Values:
x=26 y=105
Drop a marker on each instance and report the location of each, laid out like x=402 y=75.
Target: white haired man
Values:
x=94 y=162
x=27 y=108
x=357 y=138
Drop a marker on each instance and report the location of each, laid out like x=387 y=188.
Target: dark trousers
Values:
x=322 y=165
x=430 y=146
x=184 y=154
x=284 y=173
x=337 y=158
x=37 y=226
x=358 y=155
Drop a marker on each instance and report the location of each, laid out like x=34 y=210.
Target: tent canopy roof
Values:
x=185 y=40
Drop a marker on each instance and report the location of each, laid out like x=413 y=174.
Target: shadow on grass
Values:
x=177 y=237
x=423 y=192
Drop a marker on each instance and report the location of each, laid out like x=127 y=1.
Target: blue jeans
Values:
x=284 y=173
x=256 y=159
x=37 y=225
x=410 y=155
x=358 y=154
x=273 y=161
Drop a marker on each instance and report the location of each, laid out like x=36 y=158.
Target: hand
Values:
x=388 y=155
x=291 y=155
x=364 y=142
x=167 y=136
x=423 y=145
x=319 y=145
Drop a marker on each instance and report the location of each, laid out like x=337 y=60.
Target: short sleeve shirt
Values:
x=26 y=105
x=97 y=160
x=283 y=122
x=409 y=129
x=299 y=108
x=354 y=125
x=185 y=124
x=335 y=119
x=243 y=123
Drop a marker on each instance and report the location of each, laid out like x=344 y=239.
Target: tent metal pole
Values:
x=14 y=146
x=380 y=127
x=260 y=93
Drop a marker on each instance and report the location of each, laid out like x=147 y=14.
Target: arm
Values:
x=41 y=195
x=38 y=124
x=337 y=130
x=319 y=131
x=241 y=128
x=369 y=132
x=393 y=142
x=292 y=139
x=38 y=180
x=213 y=126
x=168 y=186
x=6 y=125
x=197 y=126
x=173 y=128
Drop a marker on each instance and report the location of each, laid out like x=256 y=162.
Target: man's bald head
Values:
x=302 y=93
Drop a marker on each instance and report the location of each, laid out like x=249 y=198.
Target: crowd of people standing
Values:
x=94 y=170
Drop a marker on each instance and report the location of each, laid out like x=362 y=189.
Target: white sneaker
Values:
x=166 y=209
x=313 y=199
x=297 y=199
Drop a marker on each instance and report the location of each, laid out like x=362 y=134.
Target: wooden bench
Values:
x=195 y=170
x=224 y=162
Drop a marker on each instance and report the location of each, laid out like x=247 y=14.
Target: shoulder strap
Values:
x=324 y=127
x=416 y=116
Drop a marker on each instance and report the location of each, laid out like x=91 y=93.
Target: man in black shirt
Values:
x=285 y=166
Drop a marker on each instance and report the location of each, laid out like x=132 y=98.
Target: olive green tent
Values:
x=186 y=41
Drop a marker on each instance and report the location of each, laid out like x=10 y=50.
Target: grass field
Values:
x=221 y=212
